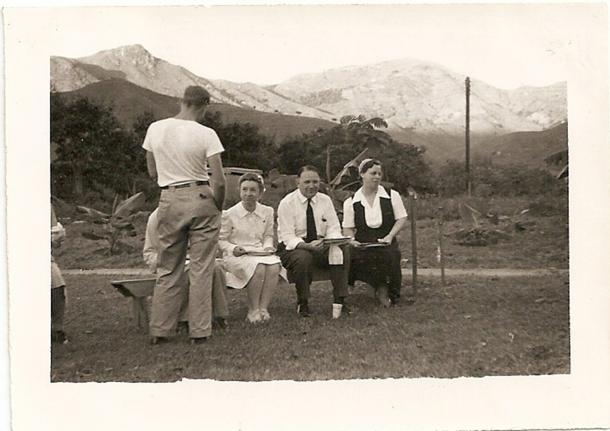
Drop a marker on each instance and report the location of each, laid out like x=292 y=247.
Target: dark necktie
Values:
x=312 y=234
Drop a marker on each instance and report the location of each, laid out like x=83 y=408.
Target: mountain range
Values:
x=423 y=103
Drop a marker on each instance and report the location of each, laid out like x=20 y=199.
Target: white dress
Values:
x=253 y=231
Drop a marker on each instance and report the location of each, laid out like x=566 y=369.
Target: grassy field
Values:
x=471 y=327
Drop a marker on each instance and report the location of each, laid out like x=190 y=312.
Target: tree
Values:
x=329 y=150
x=91 y=147
x=356 y=132
x=244 y=145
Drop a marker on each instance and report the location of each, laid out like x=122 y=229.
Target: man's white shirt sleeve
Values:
x=287 y=226
x=214 y=146
x=147 y=145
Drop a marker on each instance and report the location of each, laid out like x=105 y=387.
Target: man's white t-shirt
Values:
x=181 y=149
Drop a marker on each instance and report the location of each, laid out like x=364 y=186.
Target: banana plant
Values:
x=112 y=227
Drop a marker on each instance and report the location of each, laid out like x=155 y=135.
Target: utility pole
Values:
x=468 y=181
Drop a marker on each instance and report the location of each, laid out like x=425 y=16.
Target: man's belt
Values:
x=179 y=186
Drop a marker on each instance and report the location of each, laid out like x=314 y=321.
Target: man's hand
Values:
x=58 y=234
x=355 y=243
x=239 y=251
x=217 y=180
x=269 y=249
x=386 y=239
x=315 y=245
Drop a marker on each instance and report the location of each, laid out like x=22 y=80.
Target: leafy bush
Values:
x=488 y=181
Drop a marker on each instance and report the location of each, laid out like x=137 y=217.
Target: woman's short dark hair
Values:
x=307 y=168
x=251 y=176
x=368 y=165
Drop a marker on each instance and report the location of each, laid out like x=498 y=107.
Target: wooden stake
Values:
x=413 y=217
x=441 y=253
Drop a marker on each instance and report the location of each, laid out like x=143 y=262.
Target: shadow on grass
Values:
x=477 y=327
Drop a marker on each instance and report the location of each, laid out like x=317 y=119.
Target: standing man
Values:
x=305 y=217
x=220 y=309
x=179 y=151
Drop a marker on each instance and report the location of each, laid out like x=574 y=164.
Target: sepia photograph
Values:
x=281 y=196
x=477 y=274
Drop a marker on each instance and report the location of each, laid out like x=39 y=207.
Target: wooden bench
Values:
x=140 y=289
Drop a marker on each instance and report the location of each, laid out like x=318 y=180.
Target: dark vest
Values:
x=365 y=233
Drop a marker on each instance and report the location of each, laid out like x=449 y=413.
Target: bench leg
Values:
x=140 y=312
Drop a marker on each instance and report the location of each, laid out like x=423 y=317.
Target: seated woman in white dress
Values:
x=374 y=216
x=247 y=242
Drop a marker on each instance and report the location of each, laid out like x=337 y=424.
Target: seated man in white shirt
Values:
x=305 y=218
x=220 y=310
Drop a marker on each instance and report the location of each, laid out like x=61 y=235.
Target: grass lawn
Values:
x=471 y=327
x=544 y=244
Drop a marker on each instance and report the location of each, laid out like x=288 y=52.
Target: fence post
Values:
x=441 y=252
x=413 y=217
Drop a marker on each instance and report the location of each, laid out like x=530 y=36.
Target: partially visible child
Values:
x=58 y=285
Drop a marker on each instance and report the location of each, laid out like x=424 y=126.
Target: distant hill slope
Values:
x=135 y=64
x=525 y=148
x=408 y=93
x=130 y=101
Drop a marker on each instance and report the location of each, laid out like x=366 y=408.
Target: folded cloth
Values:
x=335 y=255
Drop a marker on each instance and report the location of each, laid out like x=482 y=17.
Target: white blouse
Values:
x=372 y=214
x=252 y=231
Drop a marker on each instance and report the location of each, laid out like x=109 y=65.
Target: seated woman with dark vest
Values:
x=373 y=217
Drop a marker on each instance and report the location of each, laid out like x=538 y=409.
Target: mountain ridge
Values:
x=407 y=93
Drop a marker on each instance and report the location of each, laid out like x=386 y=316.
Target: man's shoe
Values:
x=59 y=337
x=158 y=340
x=219 y=323
x=198 y=340
x=303 y=310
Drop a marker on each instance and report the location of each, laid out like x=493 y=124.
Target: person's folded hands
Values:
x=239 y=251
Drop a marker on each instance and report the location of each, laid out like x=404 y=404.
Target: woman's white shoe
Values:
x=265 y=315
x=254 y=316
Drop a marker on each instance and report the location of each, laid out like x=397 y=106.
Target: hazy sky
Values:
x=506 y=46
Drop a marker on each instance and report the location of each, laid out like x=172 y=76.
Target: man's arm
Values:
x=333 y=227
x=151 y=165
x=286 y=226
x=218 y=179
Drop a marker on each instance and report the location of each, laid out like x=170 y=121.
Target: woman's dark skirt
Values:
x=377 y=266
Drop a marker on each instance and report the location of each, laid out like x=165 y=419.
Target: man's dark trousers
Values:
x=300 y=265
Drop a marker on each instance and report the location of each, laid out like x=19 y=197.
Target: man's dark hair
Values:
x=197 y=96
x=307 y=168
